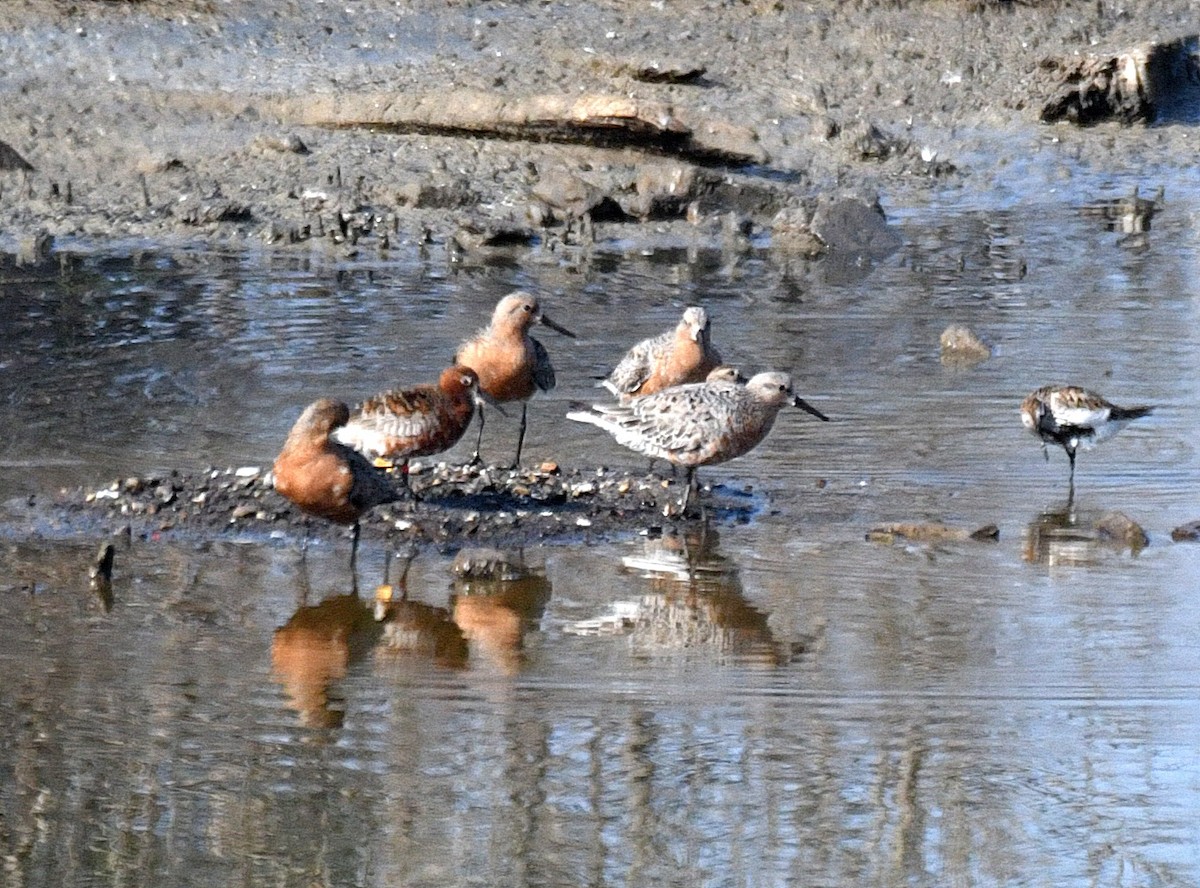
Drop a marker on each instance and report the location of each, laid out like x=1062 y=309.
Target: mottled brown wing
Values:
x=634 y=369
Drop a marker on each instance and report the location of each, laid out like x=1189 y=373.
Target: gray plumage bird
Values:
x=699 y=424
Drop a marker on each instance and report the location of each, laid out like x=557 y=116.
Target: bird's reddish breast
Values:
x=318 y=481
x=504 y=366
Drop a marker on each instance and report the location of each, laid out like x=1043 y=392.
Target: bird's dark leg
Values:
x=304 y=541
x=354 y=533
x=1071 y=457
x=475 y=458
x=407 y=483
x=409 y=557
x=687 y=493
x=305 y=585
x=520 y=437
x=403 y=581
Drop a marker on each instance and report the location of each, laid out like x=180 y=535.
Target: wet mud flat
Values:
x=455 y=506
x=490 y=129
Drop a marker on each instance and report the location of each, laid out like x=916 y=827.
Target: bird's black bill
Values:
x=556 y=327
x=482 y=397
x=809 y=408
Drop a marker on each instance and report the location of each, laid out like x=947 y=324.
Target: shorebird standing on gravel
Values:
x=677 y=357
x=325 y=478
x=511 y=364
x=400 y=424
x=1074 y=418
x=699 y=424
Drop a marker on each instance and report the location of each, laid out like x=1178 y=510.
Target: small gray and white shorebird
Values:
x=677 y=357
x=700 y=424
x=1074 y=418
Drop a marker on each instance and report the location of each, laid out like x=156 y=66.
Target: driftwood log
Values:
x=604 y=120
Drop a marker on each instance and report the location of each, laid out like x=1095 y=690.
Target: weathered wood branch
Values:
x=604 y=120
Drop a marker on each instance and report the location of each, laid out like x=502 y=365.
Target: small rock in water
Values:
x=791 y=232
x=1119 y=528
x=962 y=348
x=1189 y=532
x=929 y=532
x=101 y=576
x=1141 y=83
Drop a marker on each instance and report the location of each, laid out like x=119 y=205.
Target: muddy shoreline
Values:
x=489 y=128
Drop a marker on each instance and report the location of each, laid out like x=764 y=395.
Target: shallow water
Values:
x=766 y=703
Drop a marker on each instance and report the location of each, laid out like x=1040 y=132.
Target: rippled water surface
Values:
x=778 y=702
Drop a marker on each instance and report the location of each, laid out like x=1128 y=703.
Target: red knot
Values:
x=511 y=364
x=699 y=424
x=726 y=373
x=677 y=357
x=425 y=419
x=325 y=478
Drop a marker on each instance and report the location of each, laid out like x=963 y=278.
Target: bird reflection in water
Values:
x=415 y=629
x=1066 y=535
x=496 y=599
x=694 y=602
x=314 y=649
